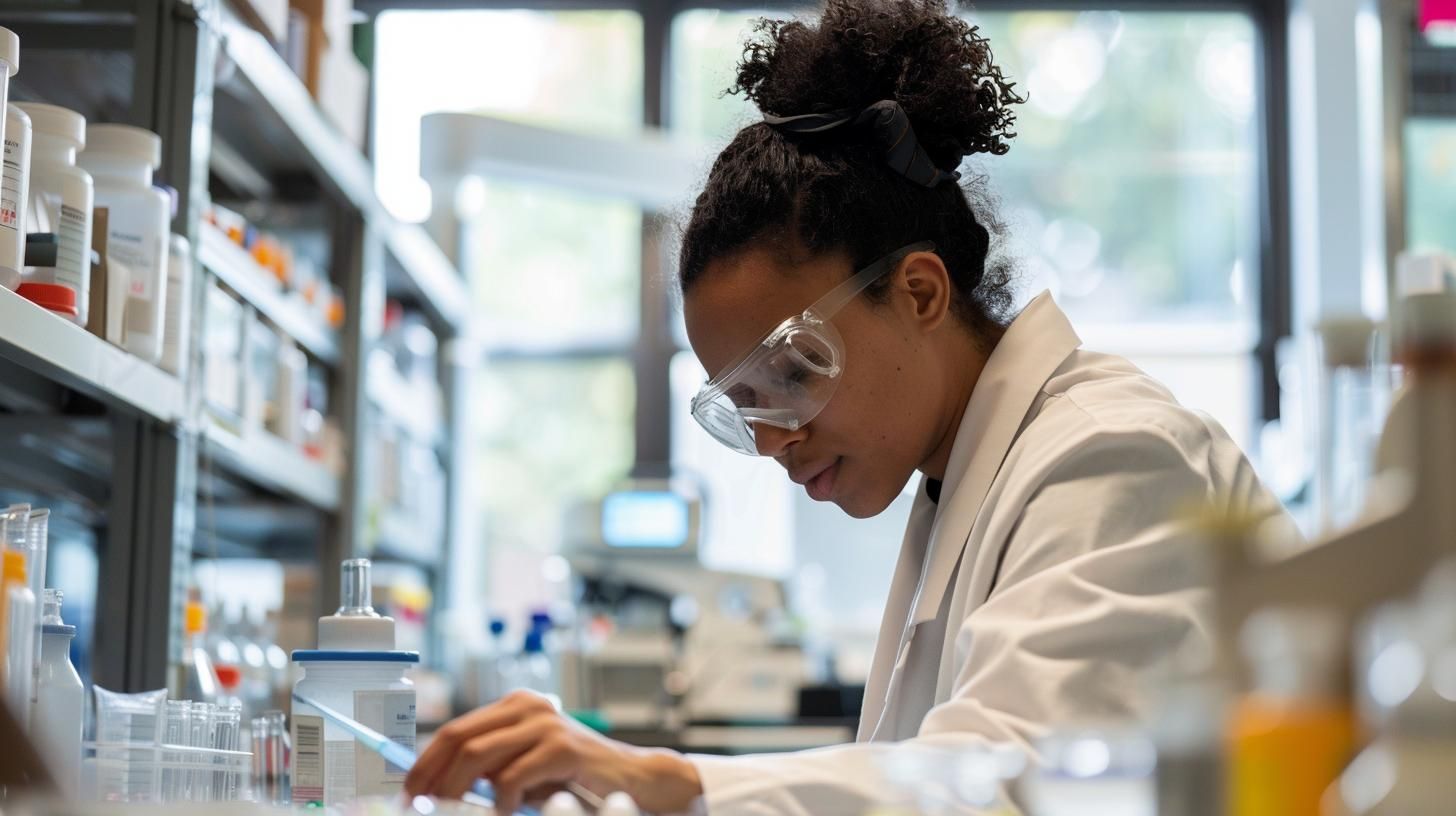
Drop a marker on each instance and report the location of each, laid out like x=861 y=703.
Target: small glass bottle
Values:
x=198 y=679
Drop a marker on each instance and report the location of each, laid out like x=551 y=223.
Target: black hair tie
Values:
x=888 y=126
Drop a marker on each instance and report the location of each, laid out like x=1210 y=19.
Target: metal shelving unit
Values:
x=163 y=479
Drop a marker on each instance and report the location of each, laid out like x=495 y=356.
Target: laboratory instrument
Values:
x=59 y=697
x=684 y=642
x=121 y=160
x=61 y=197
x=14 y=183
x=788 y=376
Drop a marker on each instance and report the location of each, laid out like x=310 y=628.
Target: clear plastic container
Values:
x=121 y=160
x=128 y=729
x=14 y=182
x=60 y=200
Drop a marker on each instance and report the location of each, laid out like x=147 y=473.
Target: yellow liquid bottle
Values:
x=1292 y=735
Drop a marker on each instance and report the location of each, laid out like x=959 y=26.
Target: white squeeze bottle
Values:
x=60 y=697
x=120 y=159
x=60 y=199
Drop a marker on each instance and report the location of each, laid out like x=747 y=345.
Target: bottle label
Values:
x=11 y=186
x=73 y=257
x=142 y=253
x=308 y=760
x=391 y=713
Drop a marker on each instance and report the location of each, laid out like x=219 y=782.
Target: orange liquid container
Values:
x=1283 y=754
x=1290 y=736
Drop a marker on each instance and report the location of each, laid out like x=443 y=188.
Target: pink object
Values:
x=1437 y=12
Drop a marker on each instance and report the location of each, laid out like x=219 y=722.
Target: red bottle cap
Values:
x=50 y=296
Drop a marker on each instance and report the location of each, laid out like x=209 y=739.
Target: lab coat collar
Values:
x=1036 y=343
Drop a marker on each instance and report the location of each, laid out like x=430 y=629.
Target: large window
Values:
x=1132 y=193
x=555 y=274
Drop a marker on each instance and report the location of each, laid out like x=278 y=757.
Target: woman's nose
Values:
x=774 y=441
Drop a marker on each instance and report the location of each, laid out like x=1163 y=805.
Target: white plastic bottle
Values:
x=357 y=672
x=61 y=198
x=14 y=179
x=121 y=159
x=56 y=719
x=177 y=323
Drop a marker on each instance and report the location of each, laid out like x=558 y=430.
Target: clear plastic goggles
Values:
x=788 y=377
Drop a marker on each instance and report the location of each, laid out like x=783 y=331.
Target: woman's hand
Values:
x=522 y=744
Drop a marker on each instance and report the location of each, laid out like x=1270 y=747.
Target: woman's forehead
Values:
x=740 y=299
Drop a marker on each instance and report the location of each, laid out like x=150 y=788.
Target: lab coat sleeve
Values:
x=1098 y=581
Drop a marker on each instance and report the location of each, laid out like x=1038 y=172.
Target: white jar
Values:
x=121 y=159
x=61 y=199
x=13 y=183
x=330 y=767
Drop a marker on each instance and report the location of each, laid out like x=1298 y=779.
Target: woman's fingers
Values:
x=486 y=754
x=439 y=754
x=552 y=760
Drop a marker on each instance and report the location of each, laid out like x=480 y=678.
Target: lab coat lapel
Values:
x=1034 y=346
x=894 y=631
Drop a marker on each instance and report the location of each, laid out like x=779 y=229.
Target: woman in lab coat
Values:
x=839 y=286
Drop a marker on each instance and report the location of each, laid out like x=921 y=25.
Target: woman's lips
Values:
x=821 y=487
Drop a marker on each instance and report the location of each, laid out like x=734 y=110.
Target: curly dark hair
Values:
x=834 y=192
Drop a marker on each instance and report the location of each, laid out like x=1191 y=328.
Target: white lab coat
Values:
x=1053 y=573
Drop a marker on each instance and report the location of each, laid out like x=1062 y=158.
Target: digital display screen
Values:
x=645 y=520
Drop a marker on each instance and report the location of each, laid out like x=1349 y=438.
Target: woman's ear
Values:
x=925 y=282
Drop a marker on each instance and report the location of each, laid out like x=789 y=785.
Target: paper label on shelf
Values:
x=391 y=713
x=308 y=760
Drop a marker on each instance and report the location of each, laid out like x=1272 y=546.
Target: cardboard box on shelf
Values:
x=335 y=19
x=268 y=16
x=344 y=94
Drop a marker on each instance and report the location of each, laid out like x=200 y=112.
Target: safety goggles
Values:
x=787 y=378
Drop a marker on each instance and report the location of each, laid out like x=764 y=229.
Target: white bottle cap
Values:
x=355 y=626
x=1345 y=340
x=16 y=118
x=56 y=122
x=10 y=51
x=126 y=142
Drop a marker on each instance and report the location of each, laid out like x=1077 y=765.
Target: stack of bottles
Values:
x=297 y=277
x=152 y=749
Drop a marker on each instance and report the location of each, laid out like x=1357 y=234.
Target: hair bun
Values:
x=934 y=64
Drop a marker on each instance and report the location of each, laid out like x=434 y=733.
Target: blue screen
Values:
x=645 y=519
